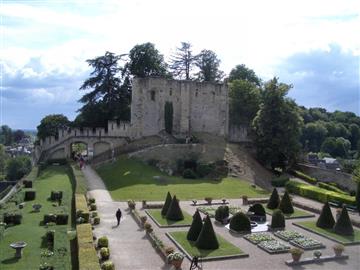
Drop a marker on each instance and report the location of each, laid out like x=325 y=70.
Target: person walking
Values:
x=118 y=216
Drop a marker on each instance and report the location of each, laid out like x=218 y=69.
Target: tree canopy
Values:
x=182 y=62
x=50 y=124
x=241 y=72
x=208 y=64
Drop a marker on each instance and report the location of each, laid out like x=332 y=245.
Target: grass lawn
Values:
x=156 y=215
x=131 y=179
x=225 y=249
x=345 y=240
x=297 y=213
x=30 y=231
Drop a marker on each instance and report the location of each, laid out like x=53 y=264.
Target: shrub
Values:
x=174 y=212
x=94 y=214
x=279 y=181
x=307 y=178
x=96 y=220
x=278 y=219
x=207 y=237
x=189 y=174
x=50 y=236
x=93 y=207
x=274 y=200
x=204 y=169
x=148 y=228
x=30 y=195
x=108 y=265
x=257 y=209
x=56 y=195
x=104 y=253
x=49 y=218
x=103 y=242
x=240 y=223
x=286 y=205
x=195 y=227
x=326 y=219
x=28 y=183
x=62 y=219
x=331 y=187
x=166 y=204
x=343 y=225
x=221 y=213
x=131 y=204
x=81 y=207
x=208 y=199
x=12 y=218
x=91 y=200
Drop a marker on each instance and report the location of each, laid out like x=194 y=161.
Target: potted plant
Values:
x=223 y=200
x=143 y=219
x=245 y=200
x=169 y=250
x=338 y=249
x=296 y=253
x=176 y=259
x=317 y=254
x=131 y=204
x=148 y=228
x=194 y=202
x=208 y=199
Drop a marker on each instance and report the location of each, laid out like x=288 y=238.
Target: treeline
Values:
x=9 y=136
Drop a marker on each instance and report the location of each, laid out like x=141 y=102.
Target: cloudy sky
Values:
x=313 y=45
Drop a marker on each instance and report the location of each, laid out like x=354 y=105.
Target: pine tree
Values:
x=174 y=212
x=278 y=219
x=286 y=205
x=326 y=219
x=240 y=223
x=166 y=204
x=195 y=227
x=207 y=237
x=343 y=225
x=274 y=200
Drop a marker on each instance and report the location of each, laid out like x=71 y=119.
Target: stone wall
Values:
x=238 y=134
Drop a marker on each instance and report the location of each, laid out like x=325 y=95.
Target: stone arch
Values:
x=58 y=154
x=79 y=142
x=102 y=147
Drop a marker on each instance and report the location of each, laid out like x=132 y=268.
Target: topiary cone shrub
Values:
x=257 y=209
x=274 y=200
x=278 y=219
x=195 y=227
x=343 y=225
x=286 y=205
x=326 y=219
x=240 y=223
x=174 y=212
x=166 y=204
x=221 y=213
x=207 y=237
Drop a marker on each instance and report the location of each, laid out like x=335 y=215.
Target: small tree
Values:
x=221 y=213
x=286 y=205
x=207 y=237
x=278 y=219
x=343 y=225
x=195 y=227
x=166 y=204
x=257 y=209
x=240 y=223
x=174 y=212
x=274 y=200
x=326 y=219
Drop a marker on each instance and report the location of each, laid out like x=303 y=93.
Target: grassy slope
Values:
x=156 y=214
x=53 y=178
x=131 y=179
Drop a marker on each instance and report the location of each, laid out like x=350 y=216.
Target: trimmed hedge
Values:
x=326 y=219
x=30 y=195
x=81 y=186
x=88 y=259
x=13 y=217
x=167 y=203
x=207 y=238
x=343 y=225
x=257 y=209
x=174 y=212
x=28 y=183
x=81 y=207
x=240 y=223
x=195 y=228
x=277 y=220
x=221 y=213
x=285 y=204
x=318 y=194
x=274 y=200
x=305 y=177
x=331 y=187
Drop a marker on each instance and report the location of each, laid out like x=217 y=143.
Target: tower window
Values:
x=170 y=92
x=152 y=95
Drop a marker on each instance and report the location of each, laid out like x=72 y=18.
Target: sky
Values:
x=44 y=45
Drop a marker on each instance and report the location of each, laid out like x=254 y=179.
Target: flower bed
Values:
x=234 y=209
x=256 y=238
x=274 y=247
x=306 y=243
x=288 y=235
x=210 y=211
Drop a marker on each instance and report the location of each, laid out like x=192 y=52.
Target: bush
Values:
x=91 y=200
x=28 y=183
x=278 y=219
x=12 y=218
x=108 y=265
x=81 y=207
x=105 y=253
x=207 y=237
x=96 y=220
x=204 y=169
x=195 y=227
x=343 y=225
x=94 y=214
x=286 y=205
x=189 y=174
x=221 y=213
x=62 y=219
x=56 y=195
x=86 y=252
x=17 y=167
x=93 y=207
x=279 y=181
x=240 y=223
x=103 y=242
x=50 y=236
x=30 y=195
x=49 y=218
x=174 y=212
x=331 y=187
x=257 y=209
x=166 y=204
x=274 y=200
x=326 y=219
x=307 y=178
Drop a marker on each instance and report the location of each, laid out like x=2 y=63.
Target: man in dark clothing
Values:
x=118 y=216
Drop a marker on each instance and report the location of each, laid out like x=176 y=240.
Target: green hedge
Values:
x=81 y=186
x=81 y=206
x=331 y=187
x=88 y=259
x=317 y=193
x=305 y=177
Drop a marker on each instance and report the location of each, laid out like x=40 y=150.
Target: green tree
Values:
x=278 y=121
x=274 y=200
x=243 y=73
x=286 y=205
x=343 y=225
x=326 y=219
x=17 y=167
x=195 y=228
x=278 y=219
x=166 y=204
x=208 y=64
x=354 y=130
x=207 y=238
x=50 y=124
x=244 y=101
x=3 y=159
x=182 y=62
x=146 y=61
x=313 y=135
x=174 y=212
x=18 y=135
x=6 y=137
x=240 y=223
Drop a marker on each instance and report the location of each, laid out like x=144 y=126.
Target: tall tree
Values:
x=182 y=62
x=6 y=137
x=313 y=135
x=18 y=135
x=277 y=126
x=241 y=72
x=3 y=158
x=146 y=61
x=50 y=124
x=208 y=64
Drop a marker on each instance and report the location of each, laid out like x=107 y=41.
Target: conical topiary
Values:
x=240 y=223
x=326 y=219
x=286 y=205
x=174 y=211
x=343 y=225
x=207 y=237
x=195 y=227
x=278 y=219
x=257 y=209
x=166 y=204
x=221 y=213
x=274 y=200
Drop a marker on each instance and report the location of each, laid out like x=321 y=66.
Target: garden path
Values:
x=129 y=247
